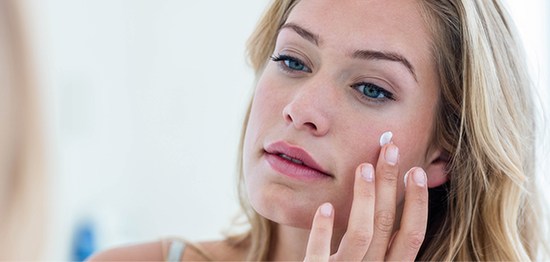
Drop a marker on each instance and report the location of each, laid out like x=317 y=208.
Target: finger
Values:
x=411 y=234
x=386 y=194
x=357 y=239
x=318 y=245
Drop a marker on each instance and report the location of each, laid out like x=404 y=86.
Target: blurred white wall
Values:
x=146 y=100
x=533 y=23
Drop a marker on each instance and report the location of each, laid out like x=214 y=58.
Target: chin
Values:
x=284 y=209
x=288 y=216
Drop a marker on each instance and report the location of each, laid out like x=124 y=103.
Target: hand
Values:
x=369 y=234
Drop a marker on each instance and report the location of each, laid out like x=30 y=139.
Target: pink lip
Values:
x=308 y=169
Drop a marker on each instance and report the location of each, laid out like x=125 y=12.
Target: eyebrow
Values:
x=391 y=56
x=304 y=33
x=361 y=54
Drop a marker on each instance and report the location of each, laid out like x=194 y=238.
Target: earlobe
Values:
x=437 y=168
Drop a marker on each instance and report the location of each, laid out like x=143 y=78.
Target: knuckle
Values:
x=389 y=175
x=415 y=239
x=367 y=193
x=323 y=230
x=383 y=220
x=370 y=195
x=422 y=200
x=361 y=239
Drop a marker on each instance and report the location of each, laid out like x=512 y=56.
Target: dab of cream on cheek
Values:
x=385 y=138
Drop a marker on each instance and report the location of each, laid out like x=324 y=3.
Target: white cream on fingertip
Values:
x=386 y=138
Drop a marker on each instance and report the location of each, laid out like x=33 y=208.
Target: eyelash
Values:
x=387 y=95
x=284 y=59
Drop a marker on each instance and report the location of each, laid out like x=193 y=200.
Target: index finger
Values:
x=358 y=236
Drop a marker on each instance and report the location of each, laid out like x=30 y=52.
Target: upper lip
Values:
x=282 y=147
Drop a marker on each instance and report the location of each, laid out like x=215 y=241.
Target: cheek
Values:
x=263 y=107
x=413 y=137
x=361 y=143
x=267 y=105
x=265 y=113
x=362 y=146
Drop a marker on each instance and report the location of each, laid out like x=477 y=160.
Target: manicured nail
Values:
x=367 y=172
x=386 y=138
x=326 y=209
x=419 y=177
x=392 y=153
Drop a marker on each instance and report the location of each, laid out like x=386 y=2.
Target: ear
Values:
x=437 y=168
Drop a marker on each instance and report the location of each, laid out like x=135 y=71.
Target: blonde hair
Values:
x=21 y=166
x=490 y=208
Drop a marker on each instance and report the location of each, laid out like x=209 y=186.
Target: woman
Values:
x=362 y=110
x=21 y=166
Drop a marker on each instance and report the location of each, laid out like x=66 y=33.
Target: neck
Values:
x=290 y=243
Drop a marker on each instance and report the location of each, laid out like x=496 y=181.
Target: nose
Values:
x=309 y=111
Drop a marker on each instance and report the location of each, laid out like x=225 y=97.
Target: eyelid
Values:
x=388 y=96
x=282 y=57
x=379 y=80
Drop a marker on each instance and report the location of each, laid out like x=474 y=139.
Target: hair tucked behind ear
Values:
x=486 y=122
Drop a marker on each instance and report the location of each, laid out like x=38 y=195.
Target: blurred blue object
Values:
x=84 y=241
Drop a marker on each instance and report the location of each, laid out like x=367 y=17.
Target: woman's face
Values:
x=343 y=73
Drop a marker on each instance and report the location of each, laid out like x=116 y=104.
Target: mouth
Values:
x=293 y=161
x=297 y=161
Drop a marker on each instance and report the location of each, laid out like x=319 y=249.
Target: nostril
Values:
x=302 y=119
x=311 y=125
x=288 y=118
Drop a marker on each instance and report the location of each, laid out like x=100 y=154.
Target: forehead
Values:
x=351 y=17
x=384 y=25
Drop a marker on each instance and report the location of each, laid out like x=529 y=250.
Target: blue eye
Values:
x=291 y=63
x=372 y=91
x=294 y=65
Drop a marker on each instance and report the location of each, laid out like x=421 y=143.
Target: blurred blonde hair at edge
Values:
x=491 y=208
x=21 y=159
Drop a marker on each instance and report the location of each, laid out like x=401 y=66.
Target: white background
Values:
x=145 y=99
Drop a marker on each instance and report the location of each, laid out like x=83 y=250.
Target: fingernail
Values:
x=406 y=178
x=367 y=172
x=392 y=153
x=419 y=177
x=326 y=209
x=385 y=138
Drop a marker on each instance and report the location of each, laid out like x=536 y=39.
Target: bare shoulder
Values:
x=151 y=251
x=158 y=250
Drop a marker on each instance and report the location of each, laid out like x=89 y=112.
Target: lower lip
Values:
x=293 y=170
